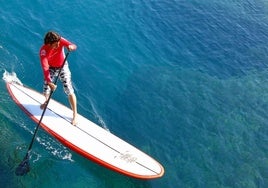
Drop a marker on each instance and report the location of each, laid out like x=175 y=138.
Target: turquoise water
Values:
x=184 y=80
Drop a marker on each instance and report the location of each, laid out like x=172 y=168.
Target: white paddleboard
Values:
x=86 y=138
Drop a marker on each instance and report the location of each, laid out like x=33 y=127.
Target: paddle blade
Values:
x=24 y=167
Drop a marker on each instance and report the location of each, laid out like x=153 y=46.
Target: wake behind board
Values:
x=86 y=138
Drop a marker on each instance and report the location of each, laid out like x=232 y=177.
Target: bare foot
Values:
x=42 y=106
x=74 y=120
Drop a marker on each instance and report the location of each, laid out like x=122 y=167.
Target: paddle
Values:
x=24 y=166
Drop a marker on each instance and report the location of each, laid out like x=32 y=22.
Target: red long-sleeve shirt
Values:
x=52 y=57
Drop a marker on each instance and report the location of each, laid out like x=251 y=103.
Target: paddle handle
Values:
x=65 y=59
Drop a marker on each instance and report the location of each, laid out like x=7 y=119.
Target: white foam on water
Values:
x=11 y=77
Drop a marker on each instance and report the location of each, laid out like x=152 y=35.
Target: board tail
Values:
x=11 y=77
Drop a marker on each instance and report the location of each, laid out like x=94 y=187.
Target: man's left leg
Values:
x=73 y=103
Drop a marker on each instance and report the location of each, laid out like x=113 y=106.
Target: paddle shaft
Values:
x=50 y=95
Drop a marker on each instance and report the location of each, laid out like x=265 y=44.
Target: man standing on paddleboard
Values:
x=52 y=58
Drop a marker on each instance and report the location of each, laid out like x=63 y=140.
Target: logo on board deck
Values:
x=127 y=157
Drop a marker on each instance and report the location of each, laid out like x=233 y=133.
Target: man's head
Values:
x=51 y=37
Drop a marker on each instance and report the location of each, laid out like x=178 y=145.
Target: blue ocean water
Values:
x=183 y=80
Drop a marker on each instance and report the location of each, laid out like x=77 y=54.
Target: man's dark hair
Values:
x=51 y=37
